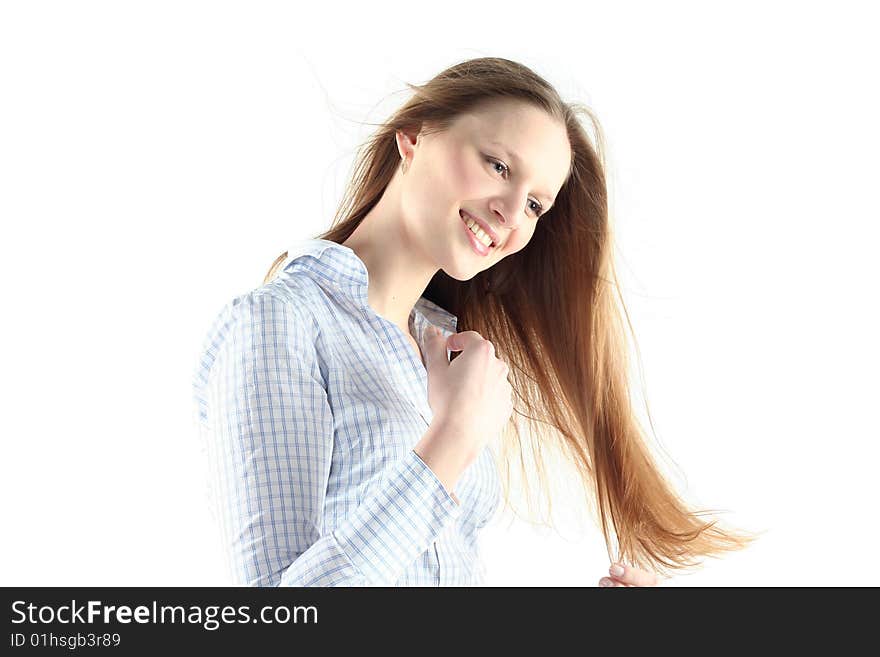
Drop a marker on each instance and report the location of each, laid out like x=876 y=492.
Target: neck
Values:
x=399 y=270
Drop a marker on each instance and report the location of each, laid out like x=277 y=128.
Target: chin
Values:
x=461 y=274
x=459 y=278
x=458 y=273
x=466 y=264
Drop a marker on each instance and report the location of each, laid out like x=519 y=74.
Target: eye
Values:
x=505 y=169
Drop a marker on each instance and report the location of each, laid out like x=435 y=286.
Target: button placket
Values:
x=390 y=336
x=440 y=569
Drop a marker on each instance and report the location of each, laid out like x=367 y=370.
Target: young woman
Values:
x=465 y=292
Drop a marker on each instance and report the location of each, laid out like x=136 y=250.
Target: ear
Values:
x=406 y=140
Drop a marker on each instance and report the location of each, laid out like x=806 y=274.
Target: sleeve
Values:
x=268 y=434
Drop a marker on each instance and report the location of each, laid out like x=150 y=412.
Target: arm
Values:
x=270 y=452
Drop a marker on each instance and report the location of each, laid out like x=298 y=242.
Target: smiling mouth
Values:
x=465 y=219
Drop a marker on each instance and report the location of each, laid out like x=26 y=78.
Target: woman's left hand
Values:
x=630 y=576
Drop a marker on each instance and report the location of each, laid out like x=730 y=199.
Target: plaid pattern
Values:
x=308 y=405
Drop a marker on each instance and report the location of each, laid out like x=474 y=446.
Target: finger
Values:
x=632 y=576
x=460 y=341
x=435 y=349
x=610 y=582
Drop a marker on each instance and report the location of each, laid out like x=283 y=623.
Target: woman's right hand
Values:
x=470 y=397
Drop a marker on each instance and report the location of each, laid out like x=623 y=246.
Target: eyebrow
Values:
x=511 y=154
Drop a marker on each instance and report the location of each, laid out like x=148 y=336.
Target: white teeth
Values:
x=479 y=232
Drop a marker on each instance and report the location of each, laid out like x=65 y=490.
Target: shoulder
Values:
x=267 y=315
x=292 y=298
x=264 y=305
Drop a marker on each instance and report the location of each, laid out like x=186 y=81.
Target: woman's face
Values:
x=473 y=168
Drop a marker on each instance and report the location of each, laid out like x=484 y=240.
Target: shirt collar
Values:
x=339 y=267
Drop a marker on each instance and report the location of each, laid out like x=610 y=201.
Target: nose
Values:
x=506 y=215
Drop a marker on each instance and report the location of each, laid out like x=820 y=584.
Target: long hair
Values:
x=551 y=310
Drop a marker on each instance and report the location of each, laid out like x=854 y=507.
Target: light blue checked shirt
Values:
x=308 y=404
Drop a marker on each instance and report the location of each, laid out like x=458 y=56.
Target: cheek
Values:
x=464 y=175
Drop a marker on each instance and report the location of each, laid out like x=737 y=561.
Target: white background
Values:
x=156 y=157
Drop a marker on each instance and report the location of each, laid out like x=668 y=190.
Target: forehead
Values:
x=506 y=119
